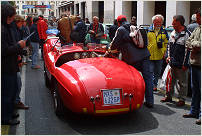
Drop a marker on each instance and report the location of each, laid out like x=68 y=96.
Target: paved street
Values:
x=40 y=119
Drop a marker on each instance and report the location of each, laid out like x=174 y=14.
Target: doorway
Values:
x=101 y=11
x=160 y=8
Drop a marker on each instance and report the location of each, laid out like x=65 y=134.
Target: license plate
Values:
x=111 y=97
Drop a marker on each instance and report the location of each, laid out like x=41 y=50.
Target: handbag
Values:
x=165 y=81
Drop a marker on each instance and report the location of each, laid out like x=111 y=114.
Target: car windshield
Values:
x=89 y=46
x=90 y=50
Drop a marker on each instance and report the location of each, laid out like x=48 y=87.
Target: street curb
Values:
x=5 y=129
x=20 y=129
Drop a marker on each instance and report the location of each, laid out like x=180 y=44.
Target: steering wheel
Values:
x=99 y=55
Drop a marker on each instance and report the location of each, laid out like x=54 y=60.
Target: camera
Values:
x=159 y=44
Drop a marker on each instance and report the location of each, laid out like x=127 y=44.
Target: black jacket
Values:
x=178 y=55
x=123 y=42
x=112 y=31
x=35 y=36
x=100 y=29
x=16 y=33
x=9 y=51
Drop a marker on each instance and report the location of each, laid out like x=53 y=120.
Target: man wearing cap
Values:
x=138 y=58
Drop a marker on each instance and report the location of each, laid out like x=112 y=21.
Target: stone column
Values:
x=183 y=8
x=71 y=10
x=127 y=9
x=118 y=8
x=75 y=8
x=89 y=10
x=95 y=9
x=145 y=12
x=149 y=11
x=170 y=12
x=46 y=13
x=140 y=12
x=80 y=10
x=108 y=12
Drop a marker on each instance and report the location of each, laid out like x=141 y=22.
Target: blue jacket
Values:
x=192 y=26
x=123 y=42
x=81 y=28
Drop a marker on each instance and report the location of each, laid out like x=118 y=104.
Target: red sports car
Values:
x=86 y=80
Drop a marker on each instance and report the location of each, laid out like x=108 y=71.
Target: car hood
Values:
x=102 y=73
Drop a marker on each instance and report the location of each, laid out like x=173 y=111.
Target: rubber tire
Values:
x=58 y=104
x=47 y=82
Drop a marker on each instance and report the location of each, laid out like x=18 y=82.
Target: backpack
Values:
x=138 y=36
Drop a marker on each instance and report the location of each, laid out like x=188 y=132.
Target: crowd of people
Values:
x=16 y=50
x=181 y=50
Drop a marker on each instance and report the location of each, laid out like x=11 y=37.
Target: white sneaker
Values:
x=29 y=60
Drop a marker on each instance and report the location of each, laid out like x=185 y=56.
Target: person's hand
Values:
x=168 y=60
x=91 y=32
x=22 y=43
x=184 y=68
x=20 y=64
x=104 y=47
x=19 y=58
x=114 y=51
x=107 y=52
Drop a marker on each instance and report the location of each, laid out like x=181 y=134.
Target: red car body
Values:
x=92 y=85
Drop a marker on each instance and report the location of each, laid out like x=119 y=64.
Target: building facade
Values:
x=36 y=7
x=108 y=10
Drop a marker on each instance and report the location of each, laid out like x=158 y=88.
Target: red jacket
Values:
x=42 y=27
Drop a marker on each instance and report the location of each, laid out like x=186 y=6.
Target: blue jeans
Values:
x=41 y=44
x=35 y=53
x=143 y=67
x=8 y=95
x=196 y=91
x=19 y=82
x=156 y=66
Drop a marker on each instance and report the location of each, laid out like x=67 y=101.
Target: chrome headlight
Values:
x=76 y=56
